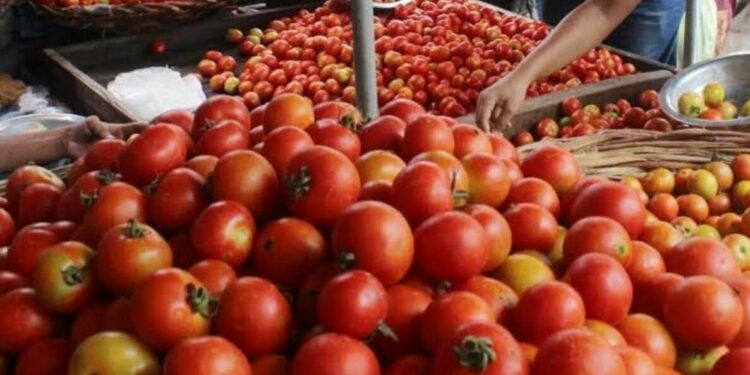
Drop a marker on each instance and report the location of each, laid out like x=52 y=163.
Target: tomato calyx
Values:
x=88 y=199
x=346 y=260
x=475 y=353
x=73 y=275
x=348 y=122
x=299 y=183
x=443 y=286
x=150 y=189
x=383 y=330
x=106 y=176
x=201 y=301
x=460 y=197
x=134 y=229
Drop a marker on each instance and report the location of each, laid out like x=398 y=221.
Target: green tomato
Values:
x=713 y=94
x=691 y=104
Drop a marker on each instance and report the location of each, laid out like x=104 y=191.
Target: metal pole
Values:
x=690 y=50
x=364 y=57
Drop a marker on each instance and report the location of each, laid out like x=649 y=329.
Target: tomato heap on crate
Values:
x=296 y=240
x=440 y=54
x=579 y=120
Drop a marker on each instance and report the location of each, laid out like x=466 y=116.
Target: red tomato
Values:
x=247 y=177
x=320 y=183
x=155 y=151
x=215 y=275
x=226 y=136
x=469 y=139
x=537 y=191
x=307 y=295
x=736 y=362
x=646 y=263
x=10 y=281
x=533 y=227
x=45 y=358
x=613 y=200
x=170 y=305
x=27 y=247
x=336 y=110
x=177 y=199
x=88 y=322
x=421 y=190
x=71 y=205
x=575 y=352
x=358 y=297
x=634 y=117
x=571 y=195
x=703 y=256
x=334 y=354
x=384 y=133
x=219 y=108
x=597 y=234
x=330 y=133
x=489 y=179
x=703 y=312
x=503 y=148
x=283 y=144
x=405 y=305
x=63 y=278
x=426 y=133
x=450 y=312
x=404 y=109
x=25 y=176
x=480 y=348
x=570 y=105
x=450 y=246
x=386 y=249
x=497 y=230
x=7 y=228
x=257 y=115
x=650 y=296
x=545 y=309
x=117 y=316
x=552 y=164
x=288 y=110
x=104 y=154
x=127 y=254
x=224 y=231
x=207 y=354
x=636 y=361
x=287 y=250
x=183 y=119
x=203 y=164
x=409 y=365
x=604 y=286
x=23 y=322
x=183 y=253
x=498 y=295
x=255 y=316
x=649 y=335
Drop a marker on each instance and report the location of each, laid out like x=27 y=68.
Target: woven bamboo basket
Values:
x=633 y=152
x=128 y=18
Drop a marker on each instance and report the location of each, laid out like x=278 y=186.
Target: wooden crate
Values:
x=609 y=91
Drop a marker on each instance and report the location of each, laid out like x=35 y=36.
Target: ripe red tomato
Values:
x=426 y=133
x=207 y=354
x=37 y=203
x=353 y=303
x=334 y=354
x=88 y=321
x=25 y=176
x=27 y=247
x=409 y=365
x=226 y=136
x=703 y=312
x=336 y=110
x=703 y=256
x=712 y=115
x=7 y=228
x=86 y=358
x=552 y=164
x=577 y=351
x=71 y=204
x=307 y=294
x=570 y=105
x=649 y=335
x=246 y=177
x=405 y=109
x=646 y=263
x=330 y=133
x=127 y=254
x=537 y=191
x=45 y=357
x=636 y=361
x=545 y=309
x=480 y=348
x=10 y=281
x=287 y=250
x=405 y=306
x=489 y=179
x=255 y=316
x=215 y=275
x=104 y=154
x=158 y=149
x=613 y=200
x=604 y=286
x=24 y=321
x=634 y=117
x=170 y=305
x=288 y=110
x=283 y=144
x=449 y=313
x=181 y=118
x=597 y=234
x=451 y=246
x=735 y=362
x=224 y=231
x=503 y=148
x=219 y=108
x=532 y=226
x=203 y=164
x=320 y=183
x=499 y=296
x=385 y=249
x=63 y=278
x=384 y=133
x=497 y=230
x=177 y=199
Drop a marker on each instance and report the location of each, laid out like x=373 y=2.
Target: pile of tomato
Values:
x=579 y=120
x=440 y=54
x=296 y=239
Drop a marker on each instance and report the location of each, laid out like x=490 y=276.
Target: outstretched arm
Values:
x=584 y=28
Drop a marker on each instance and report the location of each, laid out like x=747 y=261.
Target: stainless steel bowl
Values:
x=22 y=124
x=732 y=71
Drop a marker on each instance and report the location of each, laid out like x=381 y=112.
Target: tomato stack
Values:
x=440 y=54
x=297 y=239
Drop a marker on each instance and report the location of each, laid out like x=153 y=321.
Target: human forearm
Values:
x=40 y=147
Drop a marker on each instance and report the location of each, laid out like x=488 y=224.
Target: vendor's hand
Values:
x=86 y=133
x=498 y=103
